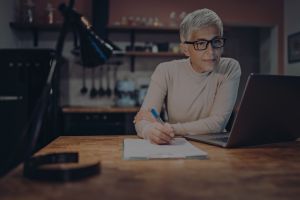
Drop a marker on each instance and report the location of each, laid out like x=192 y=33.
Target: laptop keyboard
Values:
x=221 y=139
x=217 y=137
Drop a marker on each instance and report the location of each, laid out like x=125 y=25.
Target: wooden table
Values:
x=266 y=172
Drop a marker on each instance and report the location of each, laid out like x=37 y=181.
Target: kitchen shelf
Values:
x=42 y=27
x=134 y=30
x=112 y=28
x=151 y=54
x=35 y=28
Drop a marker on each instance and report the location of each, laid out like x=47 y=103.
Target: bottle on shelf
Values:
x=29 y=12
x=50 y=13
x=173 y=19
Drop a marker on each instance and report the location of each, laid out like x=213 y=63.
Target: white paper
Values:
x=137 y=149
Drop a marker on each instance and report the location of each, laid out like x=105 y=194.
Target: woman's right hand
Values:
x=158 y=133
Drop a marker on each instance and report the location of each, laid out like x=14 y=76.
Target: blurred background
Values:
x=262 y=35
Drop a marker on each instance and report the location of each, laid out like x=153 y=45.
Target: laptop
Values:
x=269 y=112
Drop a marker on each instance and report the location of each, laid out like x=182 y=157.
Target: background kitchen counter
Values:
x=94 y=109
x=81 y=120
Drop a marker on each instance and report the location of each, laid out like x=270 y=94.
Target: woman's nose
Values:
x=210 y=49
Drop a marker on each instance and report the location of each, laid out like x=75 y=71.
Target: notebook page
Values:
x=137 y=149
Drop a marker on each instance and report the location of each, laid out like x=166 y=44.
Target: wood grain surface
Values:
x=263 y=172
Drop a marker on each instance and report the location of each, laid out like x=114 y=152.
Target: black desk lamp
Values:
x=93 y=49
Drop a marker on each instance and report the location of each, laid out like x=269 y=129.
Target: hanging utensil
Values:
x=76 y=48
x=108 y=90
x=83 y=89
x=93 y=92
x=115 y=78
x=101 y=91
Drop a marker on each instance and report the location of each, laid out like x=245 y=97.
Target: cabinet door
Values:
x=23 y=73
x=98 y=124
x=13 y=103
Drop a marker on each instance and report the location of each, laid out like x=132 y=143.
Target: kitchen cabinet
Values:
x=98 y=120
x=23 y=74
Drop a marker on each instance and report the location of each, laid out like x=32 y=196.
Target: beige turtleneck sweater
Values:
x=196 y=103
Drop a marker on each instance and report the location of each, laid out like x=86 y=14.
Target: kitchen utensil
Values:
x=101 y=91
x=93 y=92
x=115 y=78
x=108 y=90
x=83 y=89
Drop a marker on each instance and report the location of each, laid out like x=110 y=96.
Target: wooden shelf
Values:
x=55 y=27
x=42 y=27
x=150 y=54
x=35 y=28
x=135 y=30
x=142 y=28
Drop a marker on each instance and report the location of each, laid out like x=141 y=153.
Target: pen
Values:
x=158 y=119
x=156 y=116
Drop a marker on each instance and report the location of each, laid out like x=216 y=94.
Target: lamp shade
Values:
x=94 y=50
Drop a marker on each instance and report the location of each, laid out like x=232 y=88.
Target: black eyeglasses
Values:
x=202 y=44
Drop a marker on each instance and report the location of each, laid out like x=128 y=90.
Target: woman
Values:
x=199 y=92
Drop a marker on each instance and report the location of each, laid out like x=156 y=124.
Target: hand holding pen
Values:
x=158 y=132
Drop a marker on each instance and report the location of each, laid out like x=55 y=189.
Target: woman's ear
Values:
x=184 y=49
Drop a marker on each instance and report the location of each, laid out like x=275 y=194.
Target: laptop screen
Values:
x=269 y=111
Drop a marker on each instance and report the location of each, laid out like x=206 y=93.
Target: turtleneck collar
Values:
x=193 y=73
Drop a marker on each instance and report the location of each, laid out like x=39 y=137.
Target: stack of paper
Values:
x=140 y=149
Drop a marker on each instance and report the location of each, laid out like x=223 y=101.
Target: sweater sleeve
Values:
x=155 y=96
x=222 y=107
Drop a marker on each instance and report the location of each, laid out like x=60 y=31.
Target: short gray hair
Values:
x=198 y=19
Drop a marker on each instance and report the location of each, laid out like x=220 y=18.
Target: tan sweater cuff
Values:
x=179 y=129
x=140 y=126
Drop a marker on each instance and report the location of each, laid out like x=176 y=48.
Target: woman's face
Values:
x=203 y=60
